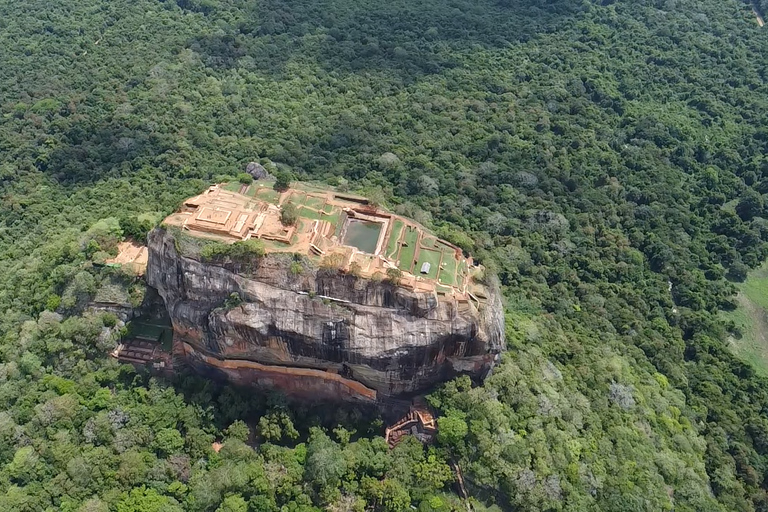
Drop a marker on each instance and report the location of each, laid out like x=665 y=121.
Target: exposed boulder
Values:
x=256 y=170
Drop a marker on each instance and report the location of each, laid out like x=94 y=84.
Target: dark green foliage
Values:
x=137 y=227
x=296 y=268
x=453 y=430
x=737 y=271
x=750 y=205
x=243 y=251
x=289 y=214
x=607 y=159
x=325 y=463
x=277 y=425
x=283 y=180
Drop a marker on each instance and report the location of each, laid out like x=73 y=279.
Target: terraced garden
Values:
x=408 y=249
x=409 y=245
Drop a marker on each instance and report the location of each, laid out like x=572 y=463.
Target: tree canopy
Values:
x=607 y=160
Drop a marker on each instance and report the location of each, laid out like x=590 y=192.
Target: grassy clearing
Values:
x=412 y=236
x=309 y=186
x=756 y=286
x=750 y=342
x=314 y=202
x=233 y=186
x=433 y=258
x=428 y=241
x=296 y=198
x=306 y=213
x=272 y=246
x=394 y=238
x=188 y=245
x=461 y=276
x=267 y=194
x=408 y=250
x=448 y=272
x=333 y=219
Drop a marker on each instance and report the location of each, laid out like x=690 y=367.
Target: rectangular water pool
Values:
x=362 y=234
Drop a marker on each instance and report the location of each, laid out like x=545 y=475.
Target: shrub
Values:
x=282 y=180
x=136 y=227
x=245 y=178
x=376 y=197
x=168 y=441
x=109 y=319
x=105 y=234
x=233 y=300
x=394 y=275
x=480 y=276
x=355 y=269
x=332 y=262
x=238 y=251
x=296 y=268
x=238 y=430
x=289 y=214
x=458 y=238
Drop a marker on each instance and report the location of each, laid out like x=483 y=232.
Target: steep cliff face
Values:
x=319 y=333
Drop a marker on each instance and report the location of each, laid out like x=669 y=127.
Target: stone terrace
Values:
x=334 y=228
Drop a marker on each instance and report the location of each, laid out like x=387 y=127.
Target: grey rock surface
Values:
x=389 y=338
x=256 y=170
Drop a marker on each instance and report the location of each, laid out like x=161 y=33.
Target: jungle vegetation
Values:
x=607 y=160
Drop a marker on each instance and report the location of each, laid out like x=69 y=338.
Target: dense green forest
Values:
x=605 y=159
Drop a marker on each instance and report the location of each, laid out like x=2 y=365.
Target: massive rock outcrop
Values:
x=318 y=332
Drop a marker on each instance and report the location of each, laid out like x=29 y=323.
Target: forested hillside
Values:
x=606 y=160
